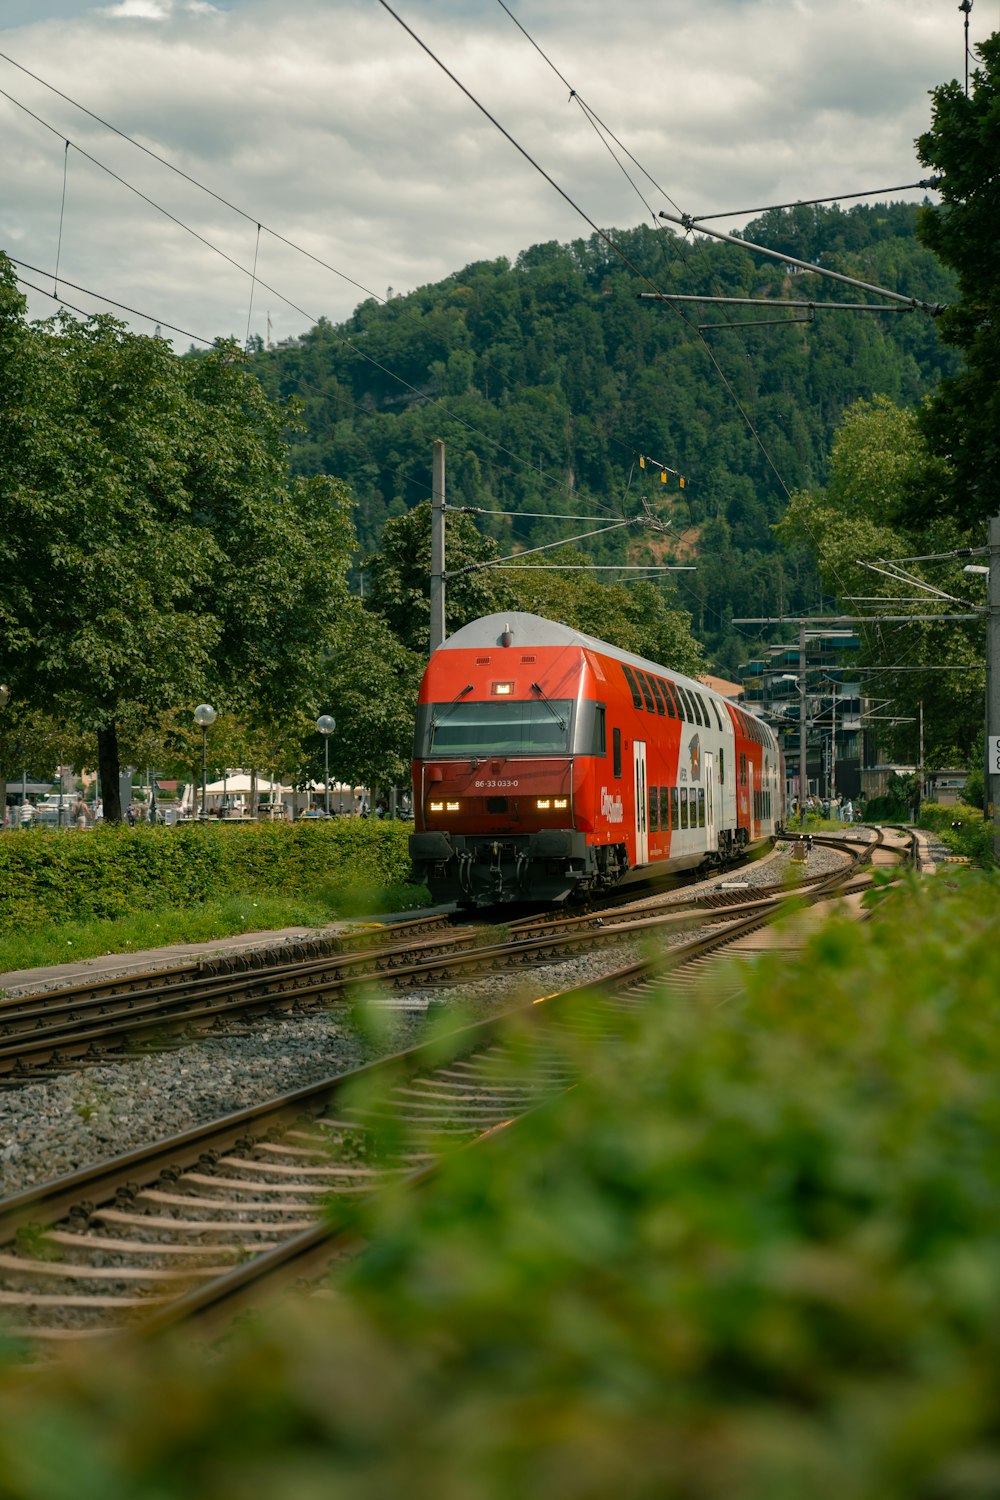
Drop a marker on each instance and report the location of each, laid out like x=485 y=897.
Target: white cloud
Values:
x=137 y=10
x=327 y=123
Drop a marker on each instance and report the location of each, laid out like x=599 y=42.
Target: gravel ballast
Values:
x=53 y=1126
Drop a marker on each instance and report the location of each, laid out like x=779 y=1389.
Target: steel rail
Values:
x=87 y=1197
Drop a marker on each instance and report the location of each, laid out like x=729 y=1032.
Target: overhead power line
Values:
x=89 y=292
x=773 y=302
x=550 y=480
x=735 y=213
x=601 y=234
x=688 y=223
x=178 y=171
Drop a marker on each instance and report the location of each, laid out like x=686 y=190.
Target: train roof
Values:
x=534 y=630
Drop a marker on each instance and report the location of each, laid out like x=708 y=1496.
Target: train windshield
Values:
x=511 y=727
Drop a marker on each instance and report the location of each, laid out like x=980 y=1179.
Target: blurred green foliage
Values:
x=752 y=1254
x=110 y=872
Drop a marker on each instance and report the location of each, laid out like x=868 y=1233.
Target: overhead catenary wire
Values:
x=804 y=265
x=769 y=208
x=551 y=481
x=88 y=291
x=62 y=215
x=179 y=172
x=188 y=177
x=702 y=329
x=602 y=234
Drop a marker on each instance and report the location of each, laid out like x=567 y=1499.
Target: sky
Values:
x=366 y=167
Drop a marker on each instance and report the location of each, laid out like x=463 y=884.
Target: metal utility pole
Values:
x=993 y=688
x=803 y=709
x=833 y=747
x=921 y=792
x=437 y=548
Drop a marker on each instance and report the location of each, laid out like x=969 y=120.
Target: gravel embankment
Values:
x=54 y=1126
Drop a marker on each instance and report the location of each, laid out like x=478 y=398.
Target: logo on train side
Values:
x=694 y=749
x=612 y=808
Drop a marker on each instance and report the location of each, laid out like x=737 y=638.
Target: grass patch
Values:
x=62 y=942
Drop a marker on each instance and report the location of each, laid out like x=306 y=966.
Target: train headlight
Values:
x=561 y=802
x=543 y=804
x=436 y=806
x=453 y=806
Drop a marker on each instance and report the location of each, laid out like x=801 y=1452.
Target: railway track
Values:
x=86 y=1022
x=194 y=1226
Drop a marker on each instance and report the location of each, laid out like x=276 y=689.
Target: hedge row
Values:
x=108 y=872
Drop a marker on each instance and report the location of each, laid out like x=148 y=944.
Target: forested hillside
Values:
x=549 y=378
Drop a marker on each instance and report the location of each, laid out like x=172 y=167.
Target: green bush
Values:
x=110 y=872
x=962 y=828
x=753 y=1254
x=886 y=810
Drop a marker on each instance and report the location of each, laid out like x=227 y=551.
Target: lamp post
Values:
x=326 y=724
x=4 y=700
x=204 y=715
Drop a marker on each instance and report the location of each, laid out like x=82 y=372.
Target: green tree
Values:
x=638 y=617
x=400 y=576
x=154 y=549
x=879 y=462
x=370 y=684
x=962 y=419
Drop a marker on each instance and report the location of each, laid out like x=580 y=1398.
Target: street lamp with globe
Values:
x=326 y=724
x=204 y=715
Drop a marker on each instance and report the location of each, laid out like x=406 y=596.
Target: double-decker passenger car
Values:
x=548 y=763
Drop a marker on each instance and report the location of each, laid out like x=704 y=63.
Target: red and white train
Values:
x=548 y=763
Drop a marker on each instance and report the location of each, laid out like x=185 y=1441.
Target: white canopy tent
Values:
x=240 y=784
x=237 y=787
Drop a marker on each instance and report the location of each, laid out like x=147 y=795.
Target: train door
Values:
x=753 y=823
x=711 y=838
x=641 y=804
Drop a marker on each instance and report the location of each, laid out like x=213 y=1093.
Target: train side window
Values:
x=600 y=730
x=633 y=685
x=616 y=744
x=682 y=699
x=654 y=820
x=684 y=807
x=703 y=708
x=669 y=699
x=718 y=715
x=743 y=770
x=661 y=707
x=701 y=807
x=722 y=764
x=664 y=808
x=675 y=817
x=646 y=692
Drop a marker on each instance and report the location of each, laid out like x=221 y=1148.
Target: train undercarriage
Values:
x=550 y=866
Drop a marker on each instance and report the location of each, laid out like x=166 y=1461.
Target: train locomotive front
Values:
x=507 y=732
x=548 y=763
